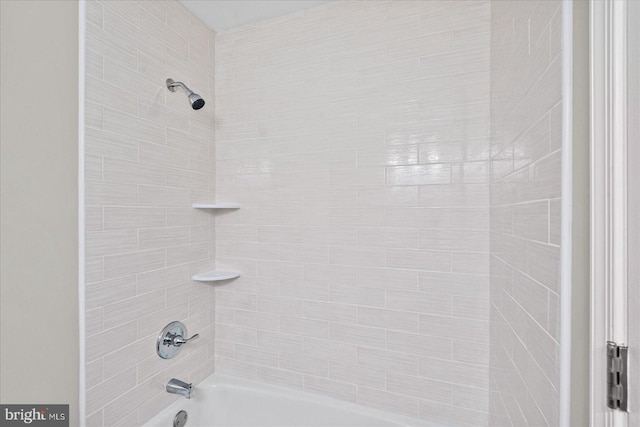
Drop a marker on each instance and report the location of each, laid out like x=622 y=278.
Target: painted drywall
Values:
x=633 y=205
x=149 y=156
x=39 y=354
x=355 y=136
x=526 y=154
x=580 y=301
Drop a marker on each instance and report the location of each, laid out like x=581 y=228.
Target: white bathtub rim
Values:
x=316 y=397
x=220 y=380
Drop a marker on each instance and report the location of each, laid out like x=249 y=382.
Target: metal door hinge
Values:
x=616 y=376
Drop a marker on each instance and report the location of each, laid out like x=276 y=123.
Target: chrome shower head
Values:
x=195 y=100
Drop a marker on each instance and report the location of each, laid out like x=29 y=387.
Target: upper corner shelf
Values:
x=215 y=276
x=216 y=205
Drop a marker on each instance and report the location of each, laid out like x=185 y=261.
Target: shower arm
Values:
x=173 y=86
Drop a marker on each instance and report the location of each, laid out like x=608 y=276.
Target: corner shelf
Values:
x=215 y=276
x=216 y=206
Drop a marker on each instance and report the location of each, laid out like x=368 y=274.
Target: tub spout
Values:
x=179 y=387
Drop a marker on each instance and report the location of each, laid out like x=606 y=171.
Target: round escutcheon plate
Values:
x=164 y=346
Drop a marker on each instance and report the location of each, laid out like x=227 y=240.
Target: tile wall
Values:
x=526 y=120
x=356 y=137
x=148 y=157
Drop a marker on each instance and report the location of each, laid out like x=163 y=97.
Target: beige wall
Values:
x=580 y=307
x=39 y=178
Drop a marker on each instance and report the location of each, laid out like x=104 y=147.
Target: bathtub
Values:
x=222 y=400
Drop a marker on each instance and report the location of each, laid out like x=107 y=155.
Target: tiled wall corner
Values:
x=356 y=137
x=526 y=125
x=148 y=157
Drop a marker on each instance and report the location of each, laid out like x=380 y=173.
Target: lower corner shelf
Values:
x=216 y=205
x=215 y=276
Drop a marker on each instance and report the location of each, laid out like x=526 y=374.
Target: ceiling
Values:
x=221 y=15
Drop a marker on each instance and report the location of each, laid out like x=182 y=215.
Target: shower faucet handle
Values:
x=171 y=339
x=178 y=340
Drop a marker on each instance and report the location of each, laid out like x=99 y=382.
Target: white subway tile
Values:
x=305 y=327
x=419 y=174
x=93 y=321
x=281 y=342
x=127 y=357
x=307 y=290
x=471 y=352
x=454 y=284
x=330 y=350
x=389 y=401
x=132 y=308
x=111 y=242
x=163 y=278
x=281 y=376
x=470 y=398
x=419 y=302
x=109 y=194
x=469 y=307
x=447 y=327
x=100 y=343
x=304 y=253
x=418 y=260
x=155 y=196
x=387 y=238
x=94 y=269
x=278 y=305
x=470 y=262
x=359 y=335
x=436 y=391
x=304 y=364
x=329 y=311
x=99 y=294
x=454 y=372
x=342 y=293
x=256 y=355
x=237 y=368
x=253 y=319
x=132 y=263
x=152 y=238
x=110 y=389
x=340 y=390
x=236 y=300
x=388 y=319
x=187 y=253
x=132 y=217
x=386 y=278
x=236 y=334
x=390 y=361
x=359 y=375
x=421 y=345
x=357 y=256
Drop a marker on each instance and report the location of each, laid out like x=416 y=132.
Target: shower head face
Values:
x=196 y=101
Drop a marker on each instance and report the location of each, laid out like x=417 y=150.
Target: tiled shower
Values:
x=398 y=169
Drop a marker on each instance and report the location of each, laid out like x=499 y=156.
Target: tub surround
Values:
x=356 y=137
x=390 y=247
x=526 y=120
x=149 y=157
